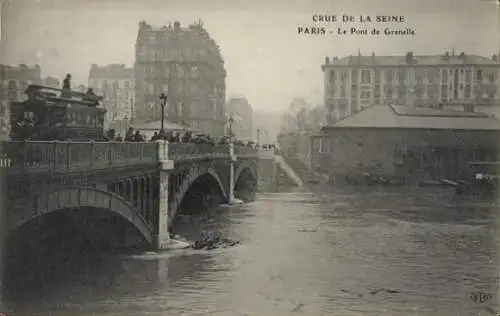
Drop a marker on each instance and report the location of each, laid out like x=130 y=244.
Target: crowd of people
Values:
x=134 y=135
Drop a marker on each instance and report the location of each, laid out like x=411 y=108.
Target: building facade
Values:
x=115 y=83
x=13 y=83
x=242 y=113
x=406 y=143
x=186 y=64
x=355 y=82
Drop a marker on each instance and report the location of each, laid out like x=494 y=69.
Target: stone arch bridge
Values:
x=145 y=183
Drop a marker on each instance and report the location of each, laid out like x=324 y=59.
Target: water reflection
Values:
x=374 y=252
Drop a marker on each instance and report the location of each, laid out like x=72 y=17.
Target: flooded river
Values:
x=344 y=253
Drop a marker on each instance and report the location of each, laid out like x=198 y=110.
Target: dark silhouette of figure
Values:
x=129 y=136
x=154 y=137
x=66 y=89
x=138 y=137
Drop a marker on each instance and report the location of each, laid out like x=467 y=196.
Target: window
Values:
x=377 y=75
x=354 y=76
x=389 y=75
x=479 y=75
x=366 y=76
x=419 y=90
x=401 y=91
x=432 y=74
x=322 y=145
x=344 y=75
x=468 y=75
x=365 y=95
x=401 y=74
x=444 y=92
x=491 y=77
x=444 y=76
x=194 y=71
x=467 y=92
x=332 y=75
x=388 y=91
x=419 y=75
x=342 y=91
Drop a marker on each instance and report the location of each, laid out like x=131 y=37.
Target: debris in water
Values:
x=376 y=291
x=210 y=243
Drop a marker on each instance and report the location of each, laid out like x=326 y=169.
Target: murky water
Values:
x=336 y=254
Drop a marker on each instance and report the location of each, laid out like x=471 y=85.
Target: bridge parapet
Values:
x=179 y=151
x=245 y=151
x=56 y=157
x=63 y=157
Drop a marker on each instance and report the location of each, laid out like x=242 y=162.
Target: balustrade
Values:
x=75 y=156
x=55 y=156
x=178 y=151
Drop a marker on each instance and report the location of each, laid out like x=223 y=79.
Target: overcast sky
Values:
x=266 y=60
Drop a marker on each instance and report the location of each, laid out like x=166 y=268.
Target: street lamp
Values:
x=230 y=121
x=163 y=103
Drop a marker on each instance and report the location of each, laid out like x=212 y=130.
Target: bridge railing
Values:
x=178 y=151
x=245 y=151
x=57 y=156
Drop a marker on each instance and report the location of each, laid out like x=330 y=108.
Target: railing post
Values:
x=163 y=222
x=110 y=154
x=54 y=148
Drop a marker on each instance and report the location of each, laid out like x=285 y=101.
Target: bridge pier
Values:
x=230 y=194
x=165 y=165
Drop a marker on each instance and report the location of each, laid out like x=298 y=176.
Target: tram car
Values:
x=57 y=114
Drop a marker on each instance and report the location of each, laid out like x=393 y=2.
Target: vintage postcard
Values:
x=232 y=157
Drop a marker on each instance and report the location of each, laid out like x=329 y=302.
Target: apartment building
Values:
x=453 y=81
x=186 y=64
x=115 y=83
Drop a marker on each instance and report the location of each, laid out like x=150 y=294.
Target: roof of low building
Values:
x=397 y=116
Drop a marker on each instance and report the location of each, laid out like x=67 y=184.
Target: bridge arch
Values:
x=195 y=174
x=71 y=198
x=245 y=168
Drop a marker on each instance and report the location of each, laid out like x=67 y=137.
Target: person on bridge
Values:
x=129 y=136
x=154 y=137
x=138 y=137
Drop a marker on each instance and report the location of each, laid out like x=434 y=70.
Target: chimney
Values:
x=327 y=60
x=409 y=57
x=453 y=52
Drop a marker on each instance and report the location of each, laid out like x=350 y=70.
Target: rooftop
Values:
x=412 y=60
x=396 y=116
x=113 y=71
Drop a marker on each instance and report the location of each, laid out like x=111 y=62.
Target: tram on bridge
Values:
x=57 y=114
